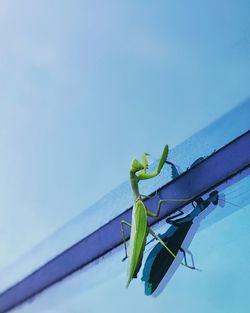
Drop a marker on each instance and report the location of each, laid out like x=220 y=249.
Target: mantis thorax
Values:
x=134 y=184
x=135 y=167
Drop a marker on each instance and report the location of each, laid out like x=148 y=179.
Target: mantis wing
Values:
x=137 y=239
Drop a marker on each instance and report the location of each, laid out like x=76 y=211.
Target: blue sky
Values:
x=85 y=86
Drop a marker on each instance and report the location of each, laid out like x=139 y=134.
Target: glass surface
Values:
x=220 y=250
x=199 y=145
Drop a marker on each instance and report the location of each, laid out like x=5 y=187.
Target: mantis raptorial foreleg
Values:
x=123 y=237
x=152 y=214
x=151 y=232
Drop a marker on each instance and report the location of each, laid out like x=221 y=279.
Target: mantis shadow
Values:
x=160 y=266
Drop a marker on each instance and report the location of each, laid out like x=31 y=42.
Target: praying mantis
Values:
x=139 y=226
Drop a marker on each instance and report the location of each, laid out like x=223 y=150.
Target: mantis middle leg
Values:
x=152 y=214
x=150 y=197
x=123 y=237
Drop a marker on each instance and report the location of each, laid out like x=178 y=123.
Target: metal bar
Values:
x=214 y=170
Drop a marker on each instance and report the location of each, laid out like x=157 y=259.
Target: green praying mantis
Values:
x=139 y=226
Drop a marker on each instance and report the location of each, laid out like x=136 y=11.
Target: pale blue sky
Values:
x=85 y=86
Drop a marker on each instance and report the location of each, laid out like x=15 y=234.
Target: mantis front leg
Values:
x=123 y=237
x=143 y=175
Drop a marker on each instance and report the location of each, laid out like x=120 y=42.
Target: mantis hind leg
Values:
x=184 y=254
x=123 y=238
x=151 y=232
x=185 y=258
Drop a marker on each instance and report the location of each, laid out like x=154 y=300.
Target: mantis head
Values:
x=136 y=166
